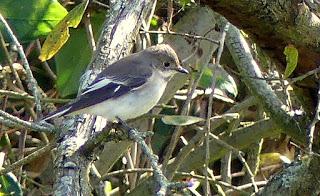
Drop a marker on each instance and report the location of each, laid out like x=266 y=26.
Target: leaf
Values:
x=224 y=81
x=31 y=19
x=107 y=187
x=292 y=59
x=73 y=58
x=10 y=185
x=181 y=120
x=60 y=34
x=154 y=22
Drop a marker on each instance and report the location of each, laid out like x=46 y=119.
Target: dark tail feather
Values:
x=59 y=112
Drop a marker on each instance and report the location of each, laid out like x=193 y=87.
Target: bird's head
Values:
x=166 y=60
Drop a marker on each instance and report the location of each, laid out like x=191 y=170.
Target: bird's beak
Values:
x=182 y=70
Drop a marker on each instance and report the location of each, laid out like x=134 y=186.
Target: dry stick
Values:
x=196 y=37
x=162 y=181
x=89 y=31
x=45 y=64
x=32 y=82
x=26 y=96
x=246 y=186
x=184 y=111
x=22 y=145
x=139 y=170
x=8 y=58
x=159 y=177
x=5 y=133
x=309 y=73
x=210 y=103
x=100 y=4
x=311 y=128
x=239 y=154
x=170 y=14
x=182 y=174
x=184 y=152
x=130 y=166
x=27 y=159
x=14 y=121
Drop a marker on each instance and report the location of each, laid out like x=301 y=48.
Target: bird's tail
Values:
x=59 y=112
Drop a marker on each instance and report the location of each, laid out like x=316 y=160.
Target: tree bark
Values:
x=300 y=178
x=275 y=24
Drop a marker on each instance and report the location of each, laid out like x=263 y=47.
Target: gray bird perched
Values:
x=127 y=88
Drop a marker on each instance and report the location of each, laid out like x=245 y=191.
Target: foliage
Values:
x=33 y=18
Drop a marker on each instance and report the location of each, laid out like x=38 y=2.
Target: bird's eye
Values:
x=166 y=64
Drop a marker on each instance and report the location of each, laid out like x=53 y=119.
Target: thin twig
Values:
x=182 y=174
x=309 y=73
x=210 y=103
x=8 y=58
x=184 y=152
x=89 y=31
x=45 y=64
x=26 y=96
x=311 y=128
x=14 y=121
x=32 y=82
x=27 y=159
x=239 y=154
x=197 y=37
x=101 y=4
x=184 y=111
x=159 y=177
x=169 y=14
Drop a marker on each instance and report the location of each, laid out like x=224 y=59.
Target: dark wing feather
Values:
x=111 y=90
x=128 y=70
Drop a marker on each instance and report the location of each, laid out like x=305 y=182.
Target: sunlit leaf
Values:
x=154 y=22
x=31 y=19
x=292 y=59
x=181 y=120
x=60 y=34
x=107 y=187
x=73 y=58
x=273 y=158
x=10 y=185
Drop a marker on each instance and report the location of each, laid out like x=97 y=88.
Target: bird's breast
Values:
x=136 y=103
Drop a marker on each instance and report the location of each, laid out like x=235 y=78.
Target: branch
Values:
x=27 y=159
x=300 y=178
x=242 y=57
x=13 y=121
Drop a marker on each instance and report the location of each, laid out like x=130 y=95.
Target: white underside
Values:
x=133 y=104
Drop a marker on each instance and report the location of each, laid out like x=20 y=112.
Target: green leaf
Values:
x=154 y=22
x=292 y=59
x=181 y=120
x=73 y=58
x=184 y=3
x=224 y=81
x=10 y=185
x=31 y=19
x=60 y=34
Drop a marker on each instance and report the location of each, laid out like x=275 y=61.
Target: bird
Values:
x=127 y=88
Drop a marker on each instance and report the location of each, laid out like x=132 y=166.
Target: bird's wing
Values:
x=126 y=72
x=116 y=80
